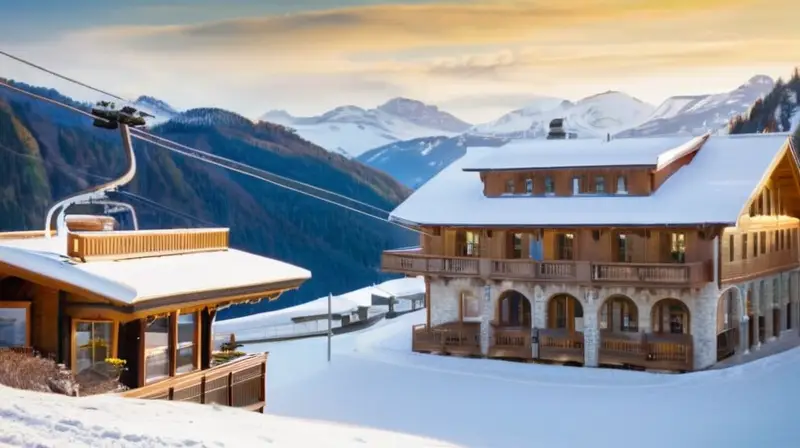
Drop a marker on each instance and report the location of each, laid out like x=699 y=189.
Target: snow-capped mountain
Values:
x=351 y=130
x=414 y=162
x=591 y=117
x=701 y=113
x=154 y=106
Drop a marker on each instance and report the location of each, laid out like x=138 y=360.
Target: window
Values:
x=510 y=186
x=515 y=245
x=549 y=189
x=767 y=202
x=744 y=246
x=156 y=346
x=470 y=307
x=564 y=246
x=762 y=239
x=94 y=342
x=622 y=185
x=600 y=184
x=15 y=319
x=755 y=245
x=529 y=186
x=469 y=244
x=678 y=247
x=622 y=248
x=576 y=185
x=731 y=248
x=186 y=356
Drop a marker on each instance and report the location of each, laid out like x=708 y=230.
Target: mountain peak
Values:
x=761 y=80
x=423 y=114
x=211 y=116
x=155 y=105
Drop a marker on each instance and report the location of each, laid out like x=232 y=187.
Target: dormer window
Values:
x=510 y=186
x=548 y=186
x=600 y=184
x=622 y=185
x=529 y=186
x=576 y=185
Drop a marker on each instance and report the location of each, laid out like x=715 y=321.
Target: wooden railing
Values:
x=560 y=345
x=453 y=338
x=511 y=343
x=761 y=265
x=585 y=272
x=727 y=341
x=240 y=383
x=120 y=245
x=647 y=350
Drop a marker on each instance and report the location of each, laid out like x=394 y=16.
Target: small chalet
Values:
x=148 y=297
x=650 y=253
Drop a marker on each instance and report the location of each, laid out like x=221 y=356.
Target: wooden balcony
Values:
x=583 y=272
x=647 y=350
x=240 y=383
x=452 y=338
x=89 y=246
x=742 y=270
x=513 y=343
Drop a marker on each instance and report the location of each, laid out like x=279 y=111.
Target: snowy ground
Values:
x=31 y=419
x=375 y=380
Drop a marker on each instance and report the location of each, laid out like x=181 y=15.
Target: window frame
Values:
x=195 y=342
x=464 y=296
x=74 y=338
x=26 y=305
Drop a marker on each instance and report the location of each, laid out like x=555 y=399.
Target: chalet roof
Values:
x=137 y=280
x=712 y=189
x=540 y=154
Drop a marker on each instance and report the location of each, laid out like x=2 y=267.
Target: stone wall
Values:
x=703 y=305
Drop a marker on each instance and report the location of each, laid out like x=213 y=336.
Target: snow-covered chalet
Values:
x=667 y=253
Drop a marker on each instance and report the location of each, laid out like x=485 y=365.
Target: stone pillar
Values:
x=539 y=308
x=591 y=330
x=769 y=304
x=704 y=327
x=486 y=318
x=755 y=301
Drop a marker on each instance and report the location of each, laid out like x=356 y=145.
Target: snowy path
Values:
x=375 y=380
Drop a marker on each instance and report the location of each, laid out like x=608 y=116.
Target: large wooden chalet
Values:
x=148 y=297
x=651 y=253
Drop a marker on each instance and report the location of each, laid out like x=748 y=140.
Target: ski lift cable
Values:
x=163 y=207
x=67 y=78
x=199 y=157
x=259 y=170
x=213 y=162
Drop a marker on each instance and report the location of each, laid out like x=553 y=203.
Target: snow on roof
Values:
x=713 y=188
x=533 y=154
x=45 y=419
x=137 y=280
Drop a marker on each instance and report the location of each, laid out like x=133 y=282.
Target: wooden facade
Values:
x=682 y=259
x=165 y=341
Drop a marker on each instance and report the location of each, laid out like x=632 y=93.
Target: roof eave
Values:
x=562 y=167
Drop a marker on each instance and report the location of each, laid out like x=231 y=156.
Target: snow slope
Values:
x=34 y=419
x=702 y=113
x=375 y=380
x=594 y=116
x=351 y=130
x=154 y=106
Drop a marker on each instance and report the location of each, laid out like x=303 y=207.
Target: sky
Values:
x=477 y=59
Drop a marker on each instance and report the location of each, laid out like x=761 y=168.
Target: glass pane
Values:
x=93 y=345
x=156 y=346
x=186 y=349
x=13 y=327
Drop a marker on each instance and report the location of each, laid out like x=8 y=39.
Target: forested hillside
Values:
x=778 y=111
x=47 y=153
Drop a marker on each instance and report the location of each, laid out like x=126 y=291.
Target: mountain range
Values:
x=414 y=161
x=48 y=153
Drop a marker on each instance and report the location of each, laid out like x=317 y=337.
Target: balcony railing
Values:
x=761 y=265
x=239 y=383
x=647 y=350
x=120 y=245
x=453 y=338
x=668 y=274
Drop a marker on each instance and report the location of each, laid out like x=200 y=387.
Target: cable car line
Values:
x=197 y=156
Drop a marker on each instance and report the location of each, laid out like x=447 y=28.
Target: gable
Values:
x=779 y=190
